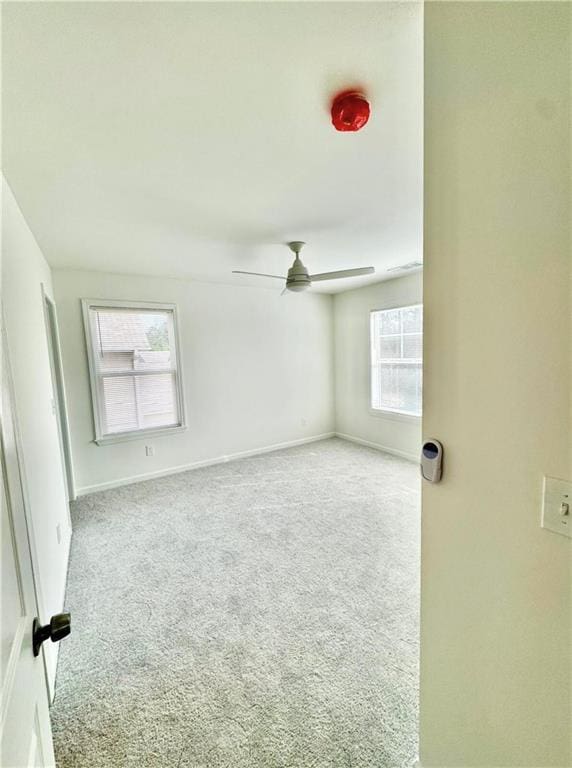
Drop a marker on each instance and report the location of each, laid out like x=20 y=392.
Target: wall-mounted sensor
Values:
x=350 y=111
x=432 y=460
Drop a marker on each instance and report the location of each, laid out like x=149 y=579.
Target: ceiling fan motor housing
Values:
x=298 y=278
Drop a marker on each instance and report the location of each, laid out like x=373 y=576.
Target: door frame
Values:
x=58 y=387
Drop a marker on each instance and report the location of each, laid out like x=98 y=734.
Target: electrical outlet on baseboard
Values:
x=149 y=450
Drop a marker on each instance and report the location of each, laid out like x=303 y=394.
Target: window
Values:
x=396 y=338
x=134 y=368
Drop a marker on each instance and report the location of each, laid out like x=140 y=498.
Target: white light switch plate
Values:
x=556 y=499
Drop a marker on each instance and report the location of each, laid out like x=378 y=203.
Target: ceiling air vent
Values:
x=404 y=267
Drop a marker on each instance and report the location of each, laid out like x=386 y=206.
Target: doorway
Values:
x=59 y=399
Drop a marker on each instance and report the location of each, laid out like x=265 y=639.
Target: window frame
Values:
x=392 y=413
x=96 y=399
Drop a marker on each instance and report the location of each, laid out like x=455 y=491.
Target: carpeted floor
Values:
x=256 y=614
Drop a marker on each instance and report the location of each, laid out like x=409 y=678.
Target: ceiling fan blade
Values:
x=257 y=274
x=343 y=273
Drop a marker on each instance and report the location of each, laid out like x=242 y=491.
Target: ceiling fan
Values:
x=298 y=278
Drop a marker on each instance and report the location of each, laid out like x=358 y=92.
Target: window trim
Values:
x=391 y=413
x=96 y=409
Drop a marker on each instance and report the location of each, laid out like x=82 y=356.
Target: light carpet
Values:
x=256 y=614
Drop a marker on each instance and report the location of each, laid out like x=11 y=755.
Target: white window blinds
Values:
x=396 y=359
x=134 y=368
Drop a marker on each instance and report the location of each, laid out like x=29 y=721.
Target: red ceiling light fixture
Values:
x=350 y=111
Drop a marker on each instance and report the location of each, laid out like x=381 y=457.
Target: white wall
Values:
x=24 y=270
x=496 y=646
x=257 y=367
x=396 y=433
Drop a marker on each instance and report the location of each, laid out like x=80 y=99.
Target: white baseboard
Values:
x=197 y=464
x=417 y=764
x=378 y=447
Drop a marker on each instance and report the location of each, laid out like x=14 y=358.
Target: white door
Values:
x=25 y=730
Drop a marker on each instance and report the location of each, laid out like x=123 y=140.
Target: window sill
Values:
x=140 y=434
x=394 y=415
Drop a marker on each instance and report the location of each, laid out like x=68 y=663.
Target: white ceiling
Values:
x=190 y=139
